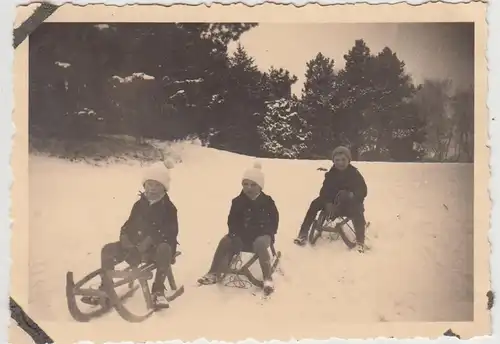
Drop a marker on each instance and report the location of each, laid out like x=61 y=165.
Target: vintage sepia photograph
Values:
x=240 y=178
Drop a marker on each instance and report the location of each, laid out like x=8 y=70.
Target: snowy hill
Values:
x=419 y=267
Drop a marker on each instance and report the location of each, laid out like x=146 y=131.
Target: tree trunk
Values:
x=465 y=142
x=447 y=146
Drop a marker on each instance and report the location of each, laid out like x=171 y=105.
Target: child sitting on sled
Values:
x=253 y=223
x=149 y=234
x=342 y=194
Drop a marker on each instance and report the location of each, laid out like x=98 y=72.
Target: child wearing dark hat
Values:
x=253 y=223
x=343 y=193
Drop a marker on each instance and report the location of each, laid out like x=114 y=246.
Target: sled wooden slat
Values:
x=75 y=311
x=245 y=269
x=319 y=227
x=118 y=304
x=87 y=278
x=89 y=292
x=176 y=294
x=329 y=229
x=108 y=296
x=131 y=274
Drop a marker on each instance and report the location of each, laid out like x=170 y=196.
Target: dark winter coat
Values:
x=349 y=179
x=157 y=220
x=249 y=219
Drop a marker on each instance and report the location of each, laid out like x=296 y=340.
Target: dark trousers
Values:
x=114 y=253
x=230 y=246
x=351 y=209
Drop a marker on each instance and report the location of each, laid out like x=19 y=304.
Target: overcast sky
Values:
x=436 y=50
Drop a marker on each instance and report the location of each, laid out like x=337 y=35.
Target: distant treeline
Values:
x=170 y=81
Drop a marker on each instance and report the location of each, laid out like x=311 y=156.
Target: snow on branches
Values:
x=283 y=131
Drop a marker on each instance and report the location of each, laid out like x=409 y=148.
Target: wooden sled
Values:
x=108 y=297
x=337 y=227
x=244 y=270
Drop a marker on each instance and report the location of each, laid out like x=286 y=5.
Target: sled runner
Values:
x=107 y=296
x=239 y=271
x=337 y=227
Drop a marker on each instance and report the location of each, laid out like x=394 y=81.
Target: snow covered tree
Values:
x=284 y=132
x=189 y=63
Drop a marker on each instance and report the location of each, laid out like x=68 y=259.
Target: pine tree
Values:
x=356 y=93
x=319 y=96
x=394 y=122
x=242 y=62
x=320 y=82
x=277 y=83
x=243 y=106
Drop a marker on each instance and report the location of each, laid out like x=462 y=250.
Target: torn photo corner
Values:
x=246 y=108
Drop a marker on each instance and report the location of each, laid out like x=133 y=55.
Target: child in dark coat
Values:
x=149 y=234
x=343 y=193
x=253 y=223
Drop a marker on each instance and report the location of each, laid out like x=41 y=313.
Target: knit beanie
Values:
x=255 y=174
x=159 y=172
x=342 y=150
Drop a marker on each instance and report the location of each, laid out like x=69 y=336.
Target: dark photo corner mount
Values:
x=39 y=15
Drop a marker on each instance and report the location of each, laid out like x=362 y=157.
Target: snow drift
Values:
x=420 y=266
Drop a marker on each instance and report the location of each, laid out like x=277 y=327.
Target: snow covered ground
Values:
x=420 y=267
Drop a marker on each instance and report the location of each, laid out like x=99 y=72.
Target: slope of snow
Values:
x=419 y=267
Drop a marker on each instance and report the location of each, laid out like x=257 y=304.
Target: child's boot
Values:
x=208 y=279
x=359 y=227
x=301 y=240
x=360 y=247
x=158 y=291
x=158 y=296
x=94 y=300
x=268 y=287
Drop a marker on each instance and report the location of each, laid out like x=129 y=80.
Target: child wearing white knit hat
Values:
x=156 y=181
x=150 y=233
x=253 y=223
x=253 y=181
